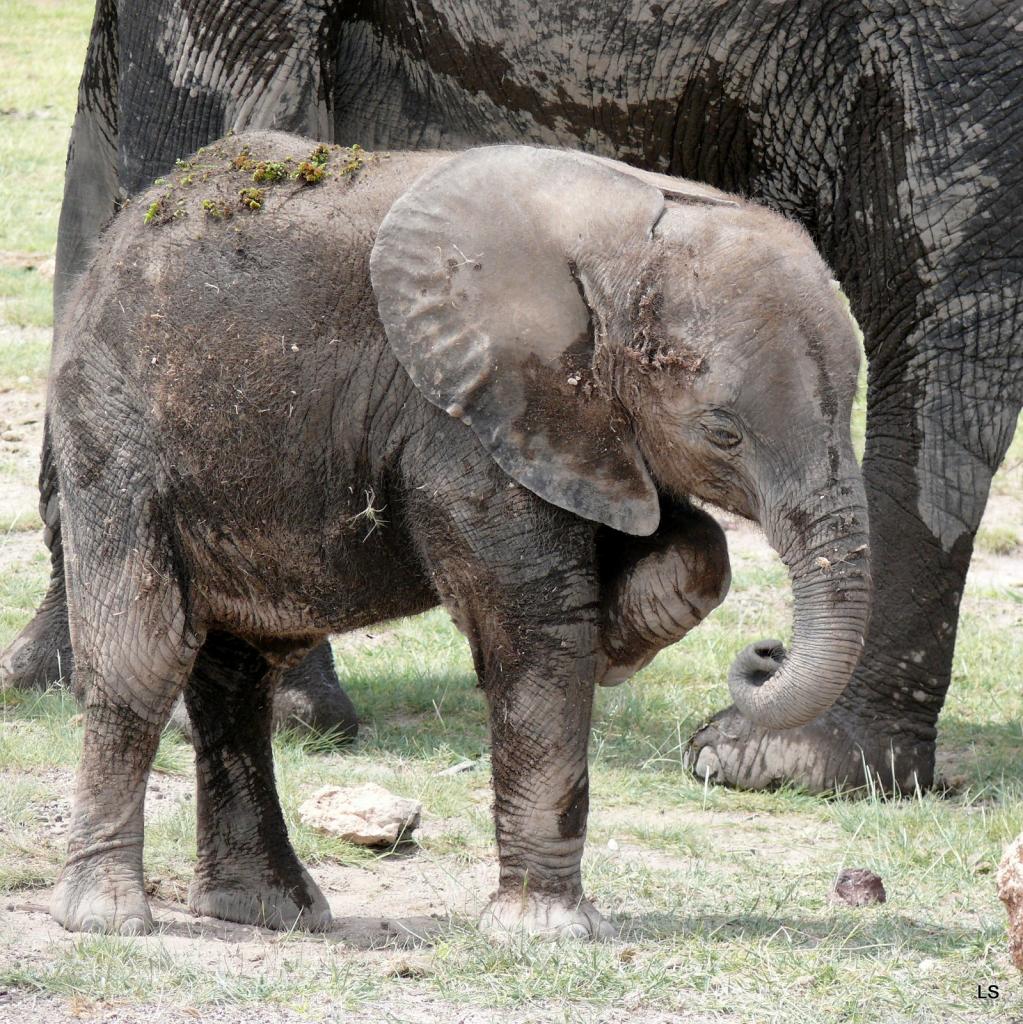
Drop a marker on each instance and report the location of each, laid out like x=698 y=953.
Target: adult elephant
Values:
x=891 y=130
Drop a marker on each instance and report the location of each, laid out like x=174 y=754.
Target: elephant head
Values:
x=613 y=337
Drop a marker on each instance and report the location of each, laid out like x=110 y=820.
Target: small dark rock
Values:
x=858 y=887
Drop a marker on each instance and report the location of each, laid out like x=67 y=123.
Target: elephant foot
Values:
x=39 y=656
x=833 y=752
x=308 y=701
x=93 y=896
x=253 y=899
x=548 y=917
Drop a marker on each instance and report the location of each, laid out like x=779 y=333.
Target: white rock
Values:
x=367 y=815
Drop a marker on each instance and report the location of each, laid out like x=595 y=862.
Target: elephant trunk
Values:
x=827 y=558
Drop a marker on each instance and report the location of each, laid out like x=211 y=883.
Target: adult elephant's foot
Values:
x=834 y=752
x=307 y=700
x=40 y=655
x=93 y=895
x=256 y=897
x=548 y=917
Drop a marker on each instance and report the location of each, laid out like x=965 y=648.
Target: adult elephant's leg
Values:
x=247 y=870
x=92 y=190
x=41 y=655
x=307 y=699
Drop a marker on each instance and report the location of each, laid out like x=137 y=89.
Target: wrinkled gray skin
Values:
x=527 y=361
x=891 y=129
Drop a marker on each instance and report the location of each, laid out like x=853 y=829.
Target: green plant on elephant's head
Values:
x=252 y=198
x=270 y=171
x=215 y=208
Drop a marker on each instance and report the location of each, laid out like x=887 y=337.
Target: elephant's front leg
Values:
x=539 y=683
x=654 y=590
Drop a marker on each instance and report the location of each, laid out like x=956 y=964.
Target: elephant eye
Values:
x=723 y=436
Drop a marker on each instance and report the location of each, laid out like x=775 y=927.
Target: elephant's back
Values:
x=249 y=215
x=231 y=329
x=252 y=244
x=272 y=180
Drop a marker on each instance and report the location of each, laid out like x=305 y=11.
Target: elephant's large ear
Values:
x=481 y=272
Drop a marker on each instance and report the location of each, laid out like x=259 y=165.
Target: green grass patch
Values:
x=42 y=49
x=26 y=297
x=24 y=356
x=21 y=588
x=998 y=540
x=105 y=969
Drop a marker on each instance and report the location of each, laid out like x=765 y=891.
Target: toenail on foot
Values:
x=93 y=924
x=133 y=926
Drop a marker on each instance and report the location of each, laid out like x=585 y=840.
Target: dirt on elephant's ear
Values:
x=565 y=413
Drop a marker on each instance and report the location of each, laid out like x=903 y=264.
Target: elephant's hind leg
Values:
x=247 y=870
x=309 y=698
x=133 y=652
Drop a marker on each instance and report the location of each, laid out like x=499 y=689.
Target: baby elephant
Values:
x=304 y=389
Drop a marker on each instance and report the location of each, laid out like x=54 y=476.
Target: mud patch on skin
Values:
x=825 y=387
x=589 y=433
x=572 y=820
